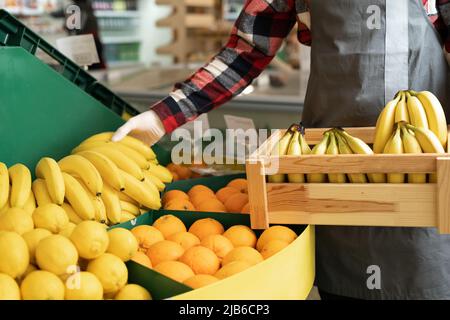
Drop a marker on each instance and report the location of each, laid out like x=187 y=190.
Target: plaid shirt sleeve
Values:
x=255 y=38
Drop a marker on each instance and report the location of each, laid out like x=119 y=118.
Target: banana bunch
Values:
x=293 y=143
x=419 y=109
x=101 y=180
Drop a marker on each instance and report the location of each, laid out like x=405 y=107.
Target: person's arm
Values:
x=441 y=21
x=254 y=41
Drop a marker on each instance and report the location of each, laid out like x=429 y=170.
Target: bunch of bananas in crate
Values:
x=413 y=122
x=110 y=182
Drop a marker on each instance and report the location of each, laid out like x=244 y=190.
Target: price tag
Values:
x=235 y=123
x=81 y=49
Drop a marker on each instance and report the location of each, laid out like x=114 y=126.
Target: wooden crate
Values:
x=351 y=204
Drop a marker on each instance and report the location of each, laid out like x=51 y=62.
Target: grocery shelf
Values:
x=119 y=39
x=117 y=14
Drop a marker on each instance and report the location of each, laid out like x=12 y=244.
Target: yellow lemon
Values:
x=42 y=285
x=67 y=231
x=110 y=270
x=32 y=238
x=133 y=292
x=56 y=254
x=51 y=217
x=14 y=256
x=122 y=243
x=9 y=290
x=83 y=286
x=90 y=239
x=16 y=220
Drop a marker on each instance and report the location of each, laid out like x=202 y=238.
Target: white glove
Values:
x=146 y=127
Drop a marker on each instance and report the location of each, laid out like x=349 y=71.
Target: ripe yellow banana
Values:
x=161 y=172
x=4 y=185
x=295 y=149
x=20 y=178
x=411 y=145
x=360 y=147
x=107 y=169
x=82 y=168
x=30 y=205
x=385 y=125
x=345 y=149
x=304 y=144
x=126 y=216
x=417 y=115
x=122 y=161
x=131 y=208
x=78 y=198
x=401 y=110
x=395 y=146
x=140 y=192
x=319 y=149
x=41 y=193
x=154 y=179
x=280 y=149
x=428 y=141
x=333 y=150
x=48 y=169
x=97 y=203
x=71 y=214
x=435 y=115
x=123 y=197
x=112 y=204
x=129 y=152
x=128 y=141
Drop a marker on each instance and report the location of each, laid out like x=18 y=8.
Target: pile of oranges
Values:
x=233 y=198
x=206 y=252
x=181 y=172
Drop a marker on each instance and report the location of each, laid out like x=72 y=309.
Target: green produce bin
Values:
x=47 y=111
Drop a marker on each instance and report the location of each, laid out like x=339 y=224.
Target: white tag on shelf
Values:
x=81 y=49
x=235 y=123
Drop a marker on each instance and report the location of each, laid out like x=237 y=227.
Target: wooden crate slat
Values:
x=443 y=192
x=350 y=204
x=354 y=163
x=257 y=195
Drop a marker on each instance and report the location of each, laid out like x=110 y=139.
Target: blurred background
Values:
x=146 y=46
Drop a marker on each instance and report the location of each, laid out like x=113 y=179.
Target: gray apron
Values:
x=363 y=52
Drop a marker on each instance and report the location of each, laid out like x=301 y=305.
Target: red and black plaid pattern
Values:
x=255 y=38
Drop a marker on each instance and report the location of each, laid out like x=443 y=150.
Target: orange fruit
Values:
x=246 y=208
x=239 y=184
x=172 y=167
x=173 y=194
x=168 y=225
x=211 y=205
x=272 y=247
x=185 y=239
x=231 y=269
x=146 y=236
x=200 y=189
x=224 y=193
x=247 y=254
x=175 y=176
x=200 y=280
x=219 y=244
x=201 y=260
x=179 y=204
x=201 y=197
x=141 y=258
x=241 y=236
x=205 y=227
x=175 y=270
x=276 y=233
x=184 y=172
x=236 y=202
x=164 y=251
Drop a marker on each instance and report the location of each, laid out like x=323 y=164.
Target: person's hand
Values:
x=146 y=127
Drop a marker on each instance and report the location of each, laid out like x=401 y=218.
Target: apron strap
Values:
x=397 y=48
